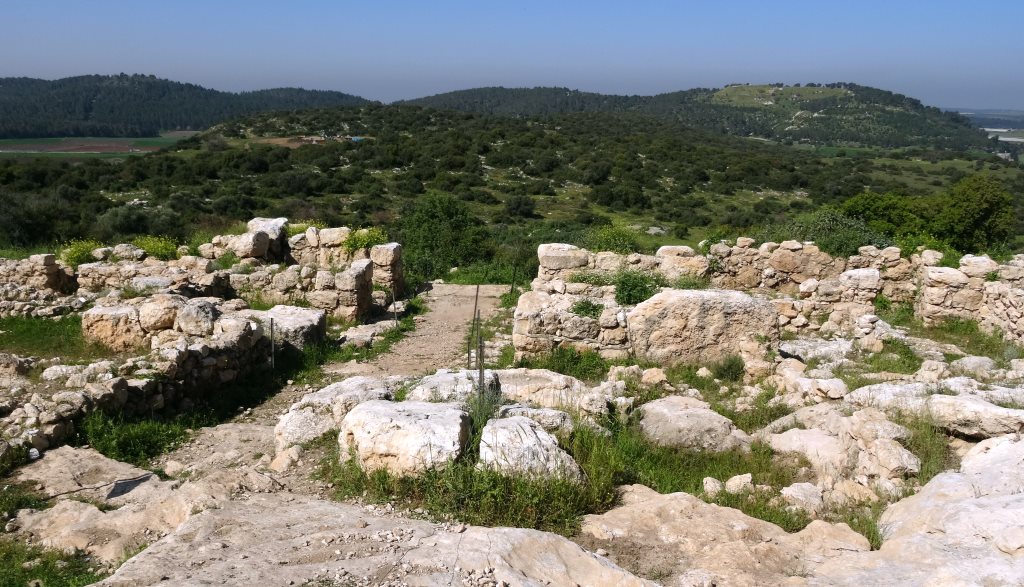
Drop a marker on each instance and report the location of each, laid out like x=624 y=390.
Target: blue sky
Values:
x=968 y=54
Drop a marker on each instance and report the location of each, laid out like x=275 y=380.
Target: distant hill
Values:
x=834 y=114
x=136 y=105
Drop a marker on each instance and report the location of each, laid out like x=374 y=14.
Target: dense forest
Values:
x=833 y=114
x=504 y=182
x=135 y=105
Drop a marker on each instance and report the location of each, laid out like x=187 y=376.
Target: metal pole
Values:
x=472 y=330
x=272 y=366
x=480 y=355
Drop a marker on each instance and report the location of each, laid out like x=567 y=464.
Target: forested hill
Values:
x=136 y=105
x=834 y=114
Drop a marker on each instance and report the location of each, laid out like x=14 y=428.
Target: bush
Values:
x=835 y=233
x=910 y=243
x=611 y=238
x=77 y=252
x=365 y=238
x=587 y=308
x=729 y=369
x=159 y=247
x=634 y=287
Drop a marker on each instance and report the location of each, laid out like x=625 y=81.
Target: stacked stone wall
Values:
x=808 y=289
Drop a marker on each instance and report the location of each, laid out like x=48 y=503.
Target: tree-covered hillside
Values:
x=135 y=105
x=522 y=179
x=832 y=114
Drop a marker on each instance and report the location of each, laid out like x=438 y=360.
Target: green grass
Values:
x=25 y=565
x=136 y=441
x=896 y=357
x=584 y=365
x=15 y=252
x=965 y=334
x=634 y=287
x=482 y=497
x=49 y=338
x=761 y=413
x=19 y=496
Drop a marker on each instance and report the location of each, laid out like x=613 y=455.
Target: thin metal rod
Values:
x=472 y=330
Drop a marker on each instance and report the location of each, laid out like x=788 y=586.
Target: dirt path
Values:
x=247 y=440
x=439 y=339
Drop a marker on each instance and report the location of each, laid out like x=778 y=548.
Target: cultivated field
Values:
x=85 y=147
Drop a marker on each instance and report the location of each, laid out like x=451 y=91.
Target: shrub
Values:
x=729 y=368
x=611 y=238
x=226 y=261
x=159 y=247
x=633 y=287
x=835 y=233
x=910 y=243
x=587 y=309
x=76 y=252
x=365 y=238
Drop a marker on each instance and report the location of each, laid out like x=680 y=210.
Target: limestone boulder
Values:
x=519 y=446
x=405 y=438
x=701 y=326
x=294 y=328
x=692 y=542
x=320 y=412
x=963 y=413
x=448 y=385
x=551 y=420
x=688 y=423
x=250 y=245
x=115 y=327
x=197 y=317
x=962 y=528
x=160 y=312
x=546 y=389
x=282 y=539
x=561 y=257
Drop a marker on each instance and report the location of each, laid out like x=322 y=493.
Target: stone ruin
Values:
x=757 y=291
x=185 y=319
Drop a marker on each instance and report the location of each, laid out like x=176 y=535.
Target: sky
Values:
x=948 y=54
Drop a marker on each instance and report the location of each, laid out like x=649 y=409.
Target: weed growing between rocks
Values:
x=584 y=365
x=158 y=247
x=587 y=309
x=49 y=338
x=722 y=398
x=862 y=518
x=634 y=287
x=929 y=444
x=896 y=357
x=730 y=368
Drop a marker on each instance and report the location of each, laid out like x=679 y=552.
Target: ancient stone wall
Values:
x=37 y=287
x=807 y=288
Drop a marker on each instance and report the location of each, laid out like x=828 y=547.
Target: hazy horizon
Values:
x=939 y=52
